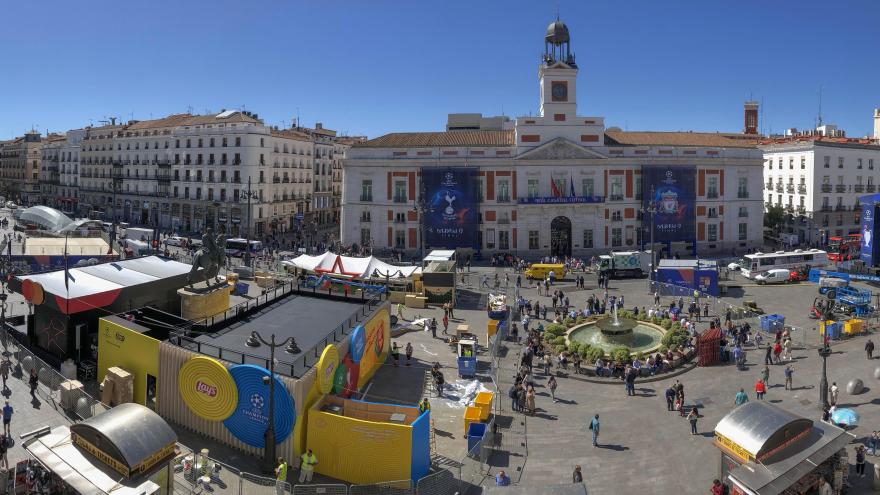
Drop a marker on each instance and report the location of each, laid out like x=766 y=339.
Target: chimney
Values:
x=877 y=124
x=750 y=117
x=319 y=125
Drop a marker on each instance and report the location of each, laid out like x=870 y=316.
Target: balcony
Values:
x=802 y=189
x=742 y=195
x=276 y=180
x=826 y=208
x=789 y=188
x=802 y=210
x=400 y=199
x=779 y=187
x=826 y=188
x=399 y=220
x=840 y=208
x=615 y=197
x=841 y=188
x=365 y=218
x=236 y=180
x=503 y=199
x=366 y=198
x=870 y=188
x=858 y=188
x=789 y=208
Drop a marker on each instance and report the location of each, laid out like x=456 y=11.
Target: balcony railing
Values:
x=802 y=189
x=870 y=188
x=400 y=199
x=826 y=208
x=560 y=200
x=826 y=188
x=366 y=198
x=779 y=187
x=801 y=209
x=840 y=208
x=841 y=188
x=789 y=188
x=858 y=188
x=615 y=197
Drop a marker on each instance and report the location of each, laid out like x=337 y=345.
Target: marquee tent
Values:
x=334 y=264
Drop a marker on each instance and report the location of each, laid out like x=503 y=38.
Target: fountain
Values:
x=613 y=331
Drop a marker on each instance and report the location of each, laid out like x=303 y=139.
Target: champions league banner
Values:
x=451 y=207
x=673 y=198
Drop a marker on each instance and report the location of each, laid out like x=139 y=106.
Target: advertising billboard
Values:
x=869 y=212
x=451 y=200
x=671 y=192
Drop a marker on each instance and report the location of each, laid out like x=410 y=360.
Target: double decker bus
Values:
x=844 y=248
x=754 y=264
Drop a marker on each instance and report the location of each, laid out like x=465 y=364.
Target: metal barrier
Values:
x=401 y=487
x=443 y=482
x=325 y=489
x=252 y=484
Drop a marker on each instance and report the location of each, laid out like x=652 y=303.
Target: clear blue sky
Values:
x=371 y=67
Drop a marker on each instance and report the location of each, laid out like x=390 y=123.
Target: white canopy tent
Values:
x=334 y=264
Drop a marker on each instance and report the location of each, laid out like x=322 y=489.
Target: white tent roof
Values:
x=440 y=255
x=332 y=263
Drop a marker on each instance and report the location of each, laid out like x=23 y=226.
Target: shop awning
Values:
x=80 y=470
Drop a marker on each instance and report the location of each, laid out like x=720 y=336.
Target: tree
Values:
x=774 y=217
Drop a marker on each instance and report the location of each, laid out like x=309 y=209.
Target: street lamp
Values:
x=650 y=210
x=824 y=352
x=290 y=347
x=248 y=195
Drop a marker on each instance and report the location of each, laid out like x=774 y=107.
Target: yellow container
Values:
x=471 y=415
x=484 y=402
x=853 y=326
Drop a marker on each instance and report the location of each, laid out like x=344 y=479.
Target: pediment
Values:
x=560 y=149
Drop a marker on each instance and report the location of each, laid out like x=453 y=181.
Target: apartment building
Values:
x=20 y=161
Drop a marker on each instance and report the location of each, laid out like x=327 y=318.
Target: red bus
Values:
x=844 y=248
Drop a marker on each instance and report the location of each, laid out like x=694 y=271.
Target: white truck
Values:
x=625 y=263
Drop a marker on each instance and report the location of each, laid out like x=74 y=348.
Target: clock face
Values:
x=559 y=91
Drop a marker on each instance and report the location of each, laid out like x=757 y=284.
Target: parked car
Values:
x=11 y=205
x=175 y=241
x=775 y=276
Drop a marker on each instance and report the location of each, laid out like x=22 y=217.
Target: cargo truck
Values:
x=625 y=263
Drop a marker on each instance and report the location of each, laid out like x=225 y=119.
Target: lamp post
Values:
x=824 y=352
x=248 y=195
x=255 y=340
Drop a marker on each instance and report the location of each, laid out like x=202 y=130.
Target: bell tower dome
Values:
x=558 y=74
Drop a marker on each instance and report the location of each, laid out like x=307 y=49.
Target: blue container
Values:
x=241 y=289
x=769 y=322
x=467 y=366
x=475 y=434
x=833 y=330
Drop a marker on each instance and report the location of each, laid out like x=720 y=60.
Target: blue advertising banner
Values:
x=451 y=207
x=673 y=199
x=357 y=344
x=251 y=416
x=869 y=206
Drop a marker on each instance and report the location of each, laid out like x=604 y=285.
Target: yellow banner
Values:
x=733 y=447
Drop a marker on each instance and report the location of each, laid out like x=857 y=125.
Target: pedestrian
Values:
x=452 y=309
x=777 y=351
x=280 y=476
x=433 y=327
x=512 y=394
x=439 y=381
x=706 y=310
x=692 y=418
x=395 y=353
x=521 y=398
x=824 y=487
x=307 y=467
x=768 y=358
x=860 y=461
x=789 y=371
x=717 y=488
x=741 y=398
x=7 y=417
x=630 y=379
x=551 y=384
x=530 y=400
x=873 y=443
x=33 y=381
x=835 y=392
x=424 y=406
x=765 y=375
x=656 y=298
x=594 y=427
x=670 y=398
x=501 y=479
x=445 y=324
x=760 y=389
x=4 y=371
x=400 y=311
x=409 y=353
x=869 y=349
x=548 y=361
x=577 y=476
x=3 y=447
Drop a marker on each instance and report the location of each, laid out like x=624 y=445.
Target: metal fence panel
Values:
x=326 y=489
x=442 y=482
x=252 y=484
x=402 y=487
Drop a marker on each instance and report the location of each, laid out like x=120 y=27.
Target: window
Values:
x=712 y=187
x=224 y=142
x=840 y=162
x=503 y=196
x=616 y=186
x=480 y=189
x=791 y=163
x=616 y=216
x=211 y=142
x=490 y=238
x=712 y=212
x=870 y=164
x=744 y=211
x=238 y=141
x=616 y=237
x=826 y=180
x=503 y=240
x=588 y=239
x=825 y=203
x=827 y=161
x=367 y=190
x=802 y=202
x=587 y=188
x=742 y=231
x=365 y=237
x=742 y=188
x=400 y=191
x=400 y=239
x=803 y=163
x=534 y=239
x=637 y=184
x=859 y=164
x=713 y=232
x=533 y=190
x=870 y=181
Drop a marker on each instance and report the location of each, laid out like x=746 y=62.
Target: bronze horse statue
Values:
x=210 y=257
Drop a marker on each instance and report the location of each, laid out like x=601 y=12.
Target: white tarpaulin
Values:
x=334 y=264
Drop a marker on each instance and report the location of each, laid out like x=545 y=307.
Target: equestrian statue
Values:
x=210 y=257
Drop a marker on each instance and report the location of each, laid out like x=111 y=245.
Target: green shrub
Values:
x=674 y=338
x=675 y=326
x=666 y=323
x=655 y=320
x=554 y=329
x=560 y=340
x=559 y=348
x=620 y=354
x=568 y=322
x=574 y=346
x=580 y=319
x=594 y=353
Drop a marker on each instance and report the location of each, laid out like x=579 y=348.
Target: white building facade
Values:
x=557 y=183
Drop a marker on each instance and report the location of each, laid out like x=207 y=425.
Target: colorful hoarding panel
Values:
x=251 y=416
x=673 y=198
x=357 y=344
x=868 y=253
x=326 y=368
x=450 y=216
x=207 y=388
x=378 y=335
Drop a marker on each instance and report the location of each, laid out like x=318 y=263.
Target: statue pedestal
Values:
x=203 y=300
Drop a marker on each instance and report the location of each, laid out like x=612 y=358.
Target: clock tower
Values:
x=558 y=75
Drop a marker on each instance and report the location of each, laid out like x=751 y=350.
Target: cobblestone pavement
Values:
x=643 y=448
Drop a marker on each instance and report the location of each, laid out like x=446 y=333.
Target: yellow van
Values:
x=540 y=271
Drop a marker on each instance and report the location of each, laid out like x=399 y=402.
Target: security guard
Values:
x=424 y=405
x=307 y=468
x=281 y=476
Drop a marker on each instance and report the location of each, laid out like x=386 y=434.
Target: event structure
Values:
x=351 y=267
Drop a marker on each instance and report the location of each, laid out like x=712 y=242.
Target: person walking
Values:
x=551 y=384
x=765 y=375
x=501 y=479
x=869 y=349
x=33 y=381
x=670 y=398
x=594 y=427
x=514 y=406
x=4 y=371
x=768 y=358
x=400 y=311
x=741 y=397
x=395 y=353
x=860 y=461
x=835 y=392
x=445 y=324
x=577 y=476
x=789 y=371
x=3 y=447
x=7 y=418
x=409 y=353
x=530 y=400
x=760 y=389
x=307 y=467
x=280 y=476
x=630 y=379
x=434 y=328
x=692 y=418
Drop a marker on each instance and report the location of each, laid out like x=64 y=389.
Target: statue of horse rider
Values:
x=210 y=257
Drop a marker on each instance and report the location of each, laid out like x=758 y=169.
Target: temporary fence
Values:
x=323 y=489
x=400 y=487
x=442 y=482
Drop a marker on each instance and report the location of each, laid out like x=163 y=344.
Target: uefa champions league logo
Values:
x=256 y=401
x=448 y=180
x=669 y=178
x=866 y=234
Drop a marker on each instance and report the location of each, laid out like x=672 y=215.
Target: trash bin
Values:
x=483 y=400
x=854 y=326
x=475 y=434
x=471 y=415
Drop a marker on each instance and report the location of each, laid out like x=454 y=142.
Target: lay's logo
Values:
x=204 y=388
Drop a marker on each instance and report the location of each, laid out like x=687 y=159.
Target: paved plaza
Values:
x=643 y=448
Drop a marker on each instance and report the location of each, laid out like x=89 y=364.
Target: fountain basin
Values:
x=638 y=336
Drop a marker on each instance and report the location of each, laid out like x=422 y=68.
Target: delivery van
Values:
x=540 y=271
